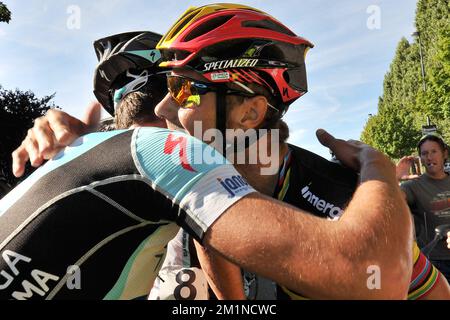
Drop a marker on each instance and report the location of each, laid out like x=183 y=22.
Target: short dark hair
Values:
x=139 y=106
x=432 y=137
x=106 y=125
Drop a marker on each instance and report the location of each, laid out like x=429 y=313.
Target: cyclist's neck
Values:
x=256 y=175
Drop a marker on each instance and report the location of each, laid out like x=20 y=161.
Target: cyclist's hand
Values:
x=50 y=134
x=402 y=168
x=351 y=153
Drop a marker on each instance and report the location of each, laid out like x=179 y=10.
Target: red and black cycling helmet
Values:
x=230 y=42
x=126 y=61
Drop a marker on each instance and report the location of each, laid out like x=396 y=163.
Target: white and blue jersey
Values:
x=93 y=223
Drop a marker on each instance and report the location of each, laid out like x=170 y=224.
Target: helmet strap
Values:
x=221 y=115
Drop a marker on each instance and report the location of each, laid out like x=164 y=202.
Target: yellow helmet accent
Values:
x=306 y=52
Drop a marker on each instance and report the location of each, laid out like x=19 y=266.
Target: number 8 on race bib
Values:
x=186 y=279
x=181 y=284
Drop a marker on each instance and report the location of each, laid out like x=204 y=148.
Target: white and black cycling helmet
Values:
x=126 y=61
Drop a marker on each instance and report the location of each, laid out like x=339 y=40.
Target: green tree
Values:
x=18 y=109
x=5 y=14
x=436 y=100
x=404 y=105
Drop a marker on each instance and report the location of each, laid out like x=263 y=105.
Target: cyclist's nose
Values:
x=167 y=109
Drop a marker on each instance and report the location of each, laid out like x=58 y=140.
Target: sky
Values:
x=47 y=48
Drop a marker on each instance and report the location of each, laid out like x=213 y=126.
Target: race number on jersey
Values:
x=176 y=283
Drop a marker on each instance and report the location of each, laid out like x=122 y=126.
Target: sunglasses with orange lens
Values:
x=187 y=92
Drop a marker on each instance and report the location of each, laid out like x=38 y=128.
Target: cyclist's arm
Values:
x=224 y=277
x=320 y=258
x=427 y=283
x=50 y=134
x=374 y=230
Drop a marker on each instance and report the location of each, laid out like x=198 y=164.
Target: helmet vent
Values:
x=269 y=25
x=207 y=27
x=186 y=19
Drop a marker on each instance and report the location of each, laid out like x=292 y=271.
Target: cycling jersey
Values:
x=425 y=276
x=323 y=188
x=93 y=222
x=312 y=183
x=181 y=276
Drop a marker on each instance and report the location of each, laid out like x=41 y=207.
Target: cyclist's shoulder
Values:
x=153 y=145
x=162 y=140
x=157 y=133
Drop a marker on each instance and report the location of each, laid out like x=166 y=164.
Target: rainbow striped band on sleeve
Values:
x=424 y=278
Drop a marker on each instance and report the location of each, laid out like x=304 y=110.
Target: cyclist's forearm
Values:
x=382 y=237
x=377 y=228
x=223 y=276
x=270 y=238
x=316 y=257
x=297 y=250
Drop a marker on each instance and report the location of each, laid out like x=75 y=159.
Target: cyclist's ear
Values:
x=250 y=114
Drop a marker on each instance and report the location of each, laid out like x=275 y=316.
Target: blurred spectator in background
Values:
x=428 y=196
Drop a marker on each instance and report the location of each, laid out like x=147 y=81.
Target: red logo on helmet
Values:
x=170 y=145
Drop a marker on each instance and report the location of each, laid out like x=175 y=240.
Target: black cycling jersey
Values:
x=314 y=184
x=311 y=183
x=93 y=222
x=324 y=188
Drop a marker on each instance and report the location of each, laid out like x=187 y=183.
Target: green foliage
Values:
x=404 y=106
x=18 y=109
x=5 y=14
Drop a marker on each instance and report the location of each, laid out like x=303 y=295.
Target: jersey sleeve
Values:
x=425 y=276
x=198 y=180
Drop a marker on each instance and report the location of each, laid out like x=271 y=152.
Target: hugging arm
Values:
x=327 y=259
